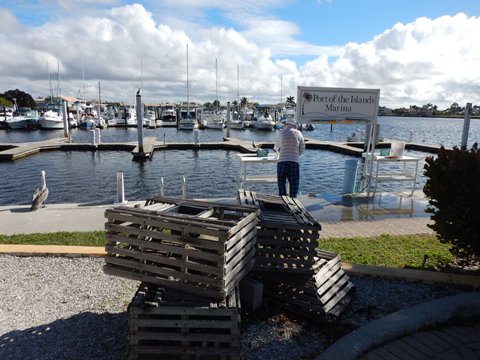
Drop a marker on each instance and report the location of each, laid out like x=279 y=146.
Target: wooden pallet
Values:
x=197 y=247
x=287 y=235
x=326 y=291
x=168 y=324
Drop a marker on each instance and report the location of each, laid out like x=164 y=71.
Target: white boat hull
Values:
x=214 y=125
x=262 y=125
x=237 y=125
x=186 y=125
x=51 y=120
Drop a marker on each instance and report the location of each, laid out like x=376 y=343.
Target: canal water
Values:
x=90 y=177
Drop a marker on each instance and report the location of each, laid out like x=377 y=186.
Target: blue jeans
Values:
x=288 y=170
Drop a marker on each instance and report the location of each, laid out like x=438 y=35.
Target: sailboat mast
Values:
x=141 y=75
x=188 y=99
x=83 y=82
x=216 y=86
x=281 y=88
x=50 y=84
x=238 y=91
x=58 y=77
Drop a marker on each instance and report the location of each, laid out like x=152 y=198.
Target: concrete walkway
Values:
x=447 y=328
x=86 y=217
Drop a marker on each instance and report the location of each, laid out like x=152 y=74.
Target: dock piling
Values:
x=65 y=119
x=228 y=119
x=92 y=138
x=184 y=188
x=139 y=110
x=120 y=189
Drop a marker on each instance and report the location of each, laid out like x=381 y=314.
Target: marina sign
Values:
x=333 y=105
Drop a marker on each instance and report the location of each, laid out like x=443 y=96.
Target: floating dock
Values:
x=14 y=151
x=147 y=151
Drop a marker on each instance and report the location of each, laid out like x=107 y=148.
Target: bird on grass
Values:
x=41 y=194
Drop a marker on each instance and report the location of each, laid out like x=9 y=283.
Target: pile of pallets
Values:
x=190 y=256
x=168 y=324
x=296 y=276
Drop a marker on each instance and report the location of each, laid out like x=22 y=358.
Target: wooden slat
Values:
x=160 y=327
x=182 y=243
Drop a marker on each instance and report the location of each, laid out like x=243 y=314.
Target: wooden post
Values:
x=228 y=119
x=466 y=125
x=65 y=118
x=120 y=188
x=139 y=109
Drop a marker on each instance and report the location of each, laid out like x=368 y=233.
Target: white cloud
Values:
x=427 y=61
x=416 y=63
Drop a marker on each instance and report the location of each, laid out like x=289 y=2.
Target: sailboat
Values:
x=215 y=121
x=52 y=118
x=187 y=119
x=237 y=122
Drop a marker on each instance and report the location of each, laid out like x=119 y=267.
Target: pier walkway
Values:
x=14 y=151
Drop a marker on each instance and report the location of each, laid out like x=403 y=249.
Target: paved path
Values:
x=403 y=226
x=84 y=217
x=449 y=341
x=446 y=328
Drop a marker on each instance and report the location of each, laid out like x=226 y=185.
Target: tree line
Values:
x=24 y=99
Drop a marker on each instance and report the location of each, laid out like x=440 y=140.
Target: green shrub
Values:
x=453 y=186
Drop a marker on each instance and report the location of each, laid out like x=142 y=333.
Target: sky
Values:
x=416 y=52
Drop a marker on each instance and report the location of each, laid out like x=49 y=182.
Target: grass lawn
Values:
x=89 y=238
x=423 y=251
x=417 y=251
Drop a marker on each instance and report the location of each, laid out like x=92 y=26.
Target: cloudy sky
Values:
x=414 y=51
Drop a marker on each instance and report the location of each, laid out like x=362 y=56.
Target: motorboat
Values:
x=213 y=120
x=237 y=124
x=126 y=116
x=169 y=115
x=187 y=124
x=150 y=119
x=263 y=121
x=23 y=119
x=87 y=122
x=87 y=119
x=187 y=120
x=52 y=118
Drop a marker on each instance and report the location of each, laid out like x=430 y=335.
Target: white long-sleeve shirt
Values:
x=290 y=144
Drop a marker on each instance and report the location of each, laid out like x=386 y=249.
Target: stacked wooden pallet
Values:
x=312 y=282
x=192 y=246
x=190 y=256
x=168 y=324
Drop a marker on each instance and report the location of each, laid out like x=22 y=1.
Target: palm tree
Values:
x=290 y=101
x=244 y=101
x=307 y=97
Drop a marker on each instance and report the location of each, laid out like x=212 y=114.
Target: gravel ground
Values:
x=67 y=308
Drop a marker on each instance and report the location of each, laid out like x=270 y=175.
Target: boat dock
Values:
x=15 y=151
x=147 y=149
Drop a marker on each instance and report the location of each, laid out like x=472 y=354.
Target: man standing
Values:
x=290 y=145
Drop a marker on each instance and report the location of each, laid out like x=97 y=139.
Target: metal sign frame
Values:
x=341 y=105
x=336 y=105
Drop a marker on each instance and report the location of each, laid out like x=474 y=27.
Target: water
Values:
x=433 y=131
x=90 y=177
